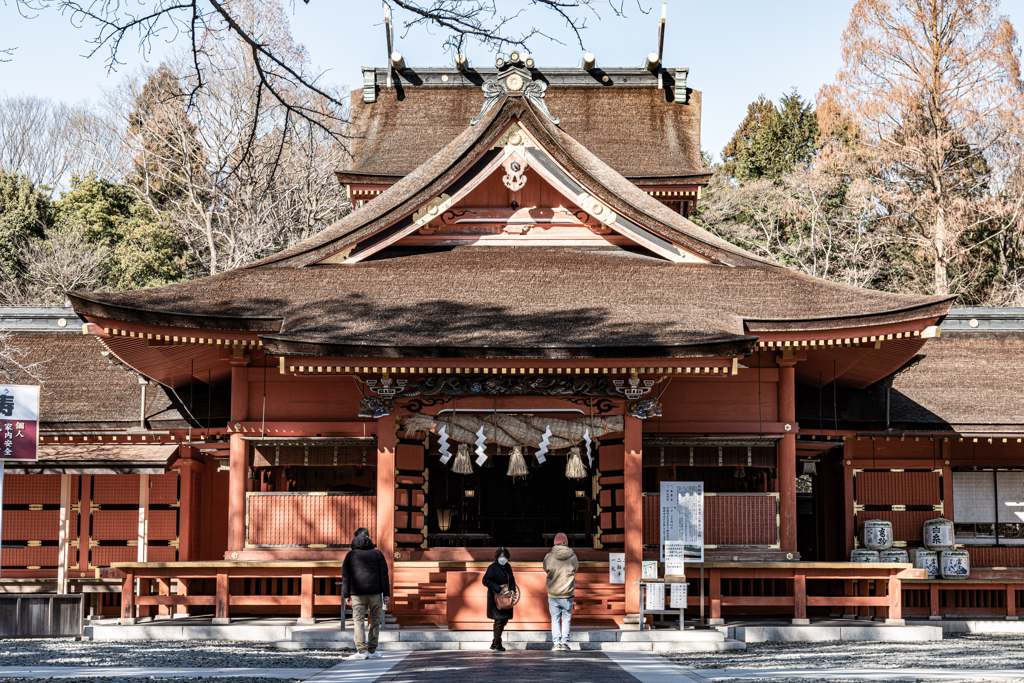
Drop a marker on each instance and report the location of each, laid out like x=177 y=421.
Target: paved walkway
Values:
x=520 y=666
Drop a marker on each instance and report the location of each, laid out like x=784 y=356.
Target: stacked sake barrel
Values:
x=941 y=556
x=876 y=539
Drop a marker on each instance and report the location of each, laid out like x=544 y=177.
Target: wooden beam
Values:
x=236 y=494
x=787 y=455
x=386 y=444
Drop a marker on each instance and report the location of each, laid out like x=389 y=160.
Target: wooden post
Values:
x=864 y=590
x=236 y=496
x=306 y=606
x=222 y=614
x=145 y=588
x=947 y=482
x=715 y=581
x=787 y=455
x=164 y=588
x=84 y=516
x=386 y=490
x=800 y=599
x=895 y=610
x=128 y=600
x=634 y=519
x=239 y=384
x=186 y=515
x=849 y=522
x=63 y=544
x=849 y=590
x=182 y=591
x=1011 y=601
x=933 y=601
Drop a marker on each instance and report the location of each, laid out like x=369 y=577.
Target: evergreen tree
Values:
x=141 y=252
x=771 y=141
x=24 y=214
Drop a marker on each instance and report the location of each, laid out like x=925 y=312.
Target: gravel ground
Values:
x=964 y=651
x=176 y=653
x=107 y=679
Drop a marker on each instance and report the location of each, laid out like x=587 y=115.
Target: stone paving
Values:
x=519 y=666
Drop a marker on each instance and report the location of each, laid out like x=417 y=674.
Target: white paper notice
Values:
x=677 y=597
x=682 y=517
x=655 y=596
x=674 y=566
x=616 y=567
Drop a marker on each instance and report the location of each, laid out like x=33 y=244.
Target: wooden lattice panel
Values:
x=162 y=553
x=996 y=557
x=309 y=519
x=31 y=489
x=104 y=555
x=728 y=520
x=115 y=489
x=31 y=525
x=115 y=525
x=163 y=489
x=898 y=488
x=906 y=526
x=652 y=520
x=740 y=520
x=41 y=556
x=163 y=525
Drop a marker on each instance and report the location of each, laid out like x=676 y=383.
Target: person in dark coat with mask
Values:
x=364 y=582
x=499 y=575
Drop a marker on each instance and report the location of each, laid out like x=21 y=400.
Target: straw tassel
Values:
x=462 y=464
x=574 y=469
x=516 y=463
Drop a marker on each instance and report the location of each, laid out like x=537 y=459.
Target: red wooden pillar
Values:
x=849 y=523
x=800 y=599
x=895 y=610
x=933 y=601
x=306 y=604
x=186 y=514
x=715 y=597
x=222 y=609
x=236 y=496
x=787 y=455
x=84 y=515
x=127 y=598
x=386 y=443
x=239 y=385
x=1011 y=601
x=634 y=517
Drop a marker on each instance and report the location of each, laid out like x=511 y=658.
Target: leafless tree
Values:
x=63 y=261
x=236 y=178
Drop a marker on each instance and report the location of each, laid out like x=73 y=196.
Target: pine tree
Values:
x=772 y=141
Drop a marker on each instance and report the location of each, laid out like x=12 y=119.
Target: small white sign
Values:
x=616 y=567
x=674 y=566
x=655 y=597
x=675 y=550
x=677 y=596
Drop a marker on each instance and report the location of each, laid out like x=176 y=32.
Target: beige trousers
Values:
x=361 y=604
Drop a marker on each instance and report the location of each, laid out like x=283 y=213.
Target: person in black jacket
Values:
x=496 y=578
x=364 y=582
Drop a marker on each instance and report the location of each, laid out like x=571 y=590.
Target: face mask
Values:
x=503 y=560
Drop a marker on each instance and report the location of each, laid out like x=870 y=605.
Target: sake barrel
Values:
x=864 y=556
x=894 y=555
x=877 y=534
x=955 y=564
x=938 y=534
x=927 y=560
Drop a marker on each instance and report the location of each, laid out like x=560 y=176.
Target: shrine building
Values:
x=517 y=332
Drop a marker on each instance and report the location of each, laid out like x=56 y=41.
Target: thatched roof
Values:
x=638 y=131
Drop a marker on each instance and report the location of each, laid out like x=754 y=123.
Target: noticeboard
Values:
x=682 y=519
x=19 y=422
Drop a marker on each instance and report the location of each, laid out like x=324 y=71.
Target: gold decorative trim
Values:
x=514 y=137
x=596 y=209
x=432 y=209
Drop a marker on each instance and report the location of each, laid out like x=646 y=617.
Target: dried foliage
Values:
x=934 y=86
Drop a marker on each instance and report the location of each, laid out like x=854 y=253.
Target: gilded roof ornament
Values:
x=514 y=78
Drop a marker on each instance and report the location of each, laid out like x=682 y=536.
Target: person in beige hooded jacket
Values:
x=561 y=565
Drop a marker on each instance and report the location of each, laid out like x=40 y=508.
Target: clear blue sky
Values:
x=736 y=49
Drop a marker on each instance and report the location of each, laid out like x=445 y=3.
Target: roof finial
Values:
x=514 y=78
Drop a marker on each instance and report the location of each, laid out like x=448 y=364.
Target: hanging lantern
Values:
x=462 y=464
x=574 y=469
x=516 y=463
x=444 y=519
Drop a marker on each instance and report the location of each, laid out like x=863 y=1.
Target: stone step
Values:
x=323 y=635
x=608 y=646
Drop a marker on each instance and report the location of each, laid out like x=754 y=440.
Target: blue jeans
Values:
x=561 y=615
